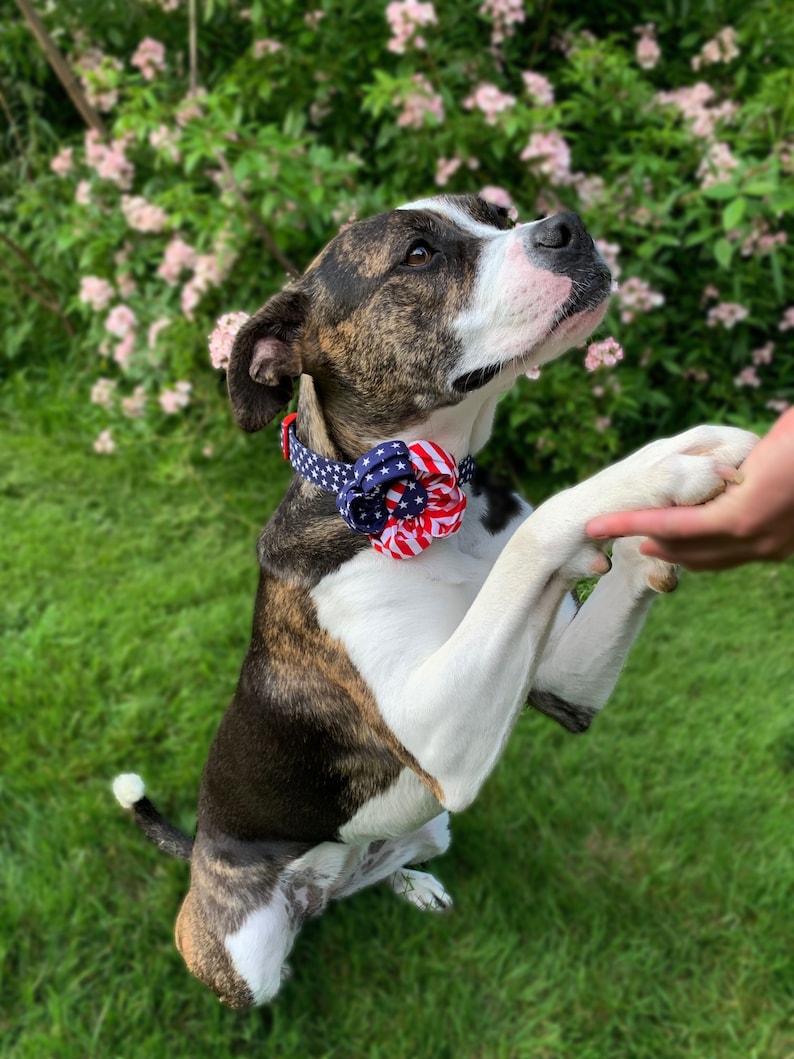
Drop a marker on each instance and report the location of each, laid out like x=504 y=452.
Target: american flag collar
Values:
x=401 y=496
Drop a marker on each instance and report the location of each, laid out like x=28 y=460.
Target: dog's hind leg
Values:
x=386 y=859
x=421 y=889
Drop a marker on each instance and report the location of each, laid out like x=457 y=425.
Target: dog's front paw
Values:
x=692 y=467
x=421 y=889
x=643 y=570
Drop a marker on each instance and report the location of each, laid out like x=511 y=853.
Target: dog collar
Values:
x=401 y=496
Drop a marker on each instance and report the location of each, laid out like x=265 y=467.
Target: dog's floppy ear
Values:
x=265 y=359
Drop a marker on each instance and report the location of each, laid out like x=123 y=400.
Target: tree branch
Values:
x=255 y=219
x=51 y=304
x=61 y=67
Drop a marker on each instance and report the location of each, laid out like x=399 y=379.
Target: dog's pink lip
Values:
x=577 y=326
x=571 y=328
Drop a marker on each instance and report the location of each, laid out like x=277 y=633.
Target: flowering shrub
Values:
x=223 y=170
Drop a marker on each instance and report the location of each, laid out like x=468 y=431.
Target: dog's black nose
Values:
x=562 y=231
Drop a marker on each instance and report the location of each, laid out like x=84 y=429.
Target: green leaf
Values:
x=723 y=251
x=733 y=213
x=759 y=188
x=777 y=275
x=782 y=201
x=720 y=191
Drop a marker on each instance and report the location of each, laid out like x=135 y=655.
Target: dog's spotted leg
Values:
x=385 y=858
x=589 y=644
x=421 y=889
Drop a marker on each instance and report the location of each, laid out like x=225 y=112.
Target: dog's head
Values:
x=438 y=305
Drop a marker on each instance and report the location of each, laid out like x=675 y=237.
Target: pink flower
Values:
x=720 y=49
x=190 y=108
x=549 y=153
x=126 y=284
x=172 y=401
x=747 y=377
x=500 y=197
x=124 y=349
x=96 y=292
x=405 y=17
x=104 y=444
x=121 y=320
x=694 y=104
x=487 y=98
x=134 y=406
x=178 y=255
x=710 y=293
x=648 y=52
x=787 y=320
x=165 y=140
x=82 y=194
x=591 y=189
x=505 y=14
x=63 y=162
x=98 y=75
x=696 y=374
x=103 y=392
x=154 y=331
x=539 y=87
x=445 y=168
x=764 y=354
x=635 y=295
x=602 y=424
x=222 y=338
x=726 y=313
x=110 y=162
x=149 y=57
x=266 y=47
x=141 y=215
x=312 y=18
x=190 y=297
x=717 y=165
x=609 y=252
x=603 y=354
x=418 y=103
x=761 y=239
x=210 y=271
x=777 y=405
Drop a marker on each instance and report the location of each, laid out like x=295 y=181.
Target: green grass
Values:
x=627 y=893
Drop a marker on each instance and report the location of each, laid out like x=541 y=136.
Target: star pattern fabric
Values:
x=401 y=496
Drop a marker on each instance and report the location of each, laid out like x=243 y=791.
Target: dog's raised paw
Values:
x=421 y=889
x=663 y=577
x=657 y=574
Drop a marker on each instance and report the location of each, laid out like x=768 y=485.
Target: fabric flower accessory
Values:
x=402 y=496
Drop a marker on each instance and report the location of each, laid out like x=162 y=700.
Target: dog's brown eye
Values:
x=419 y=254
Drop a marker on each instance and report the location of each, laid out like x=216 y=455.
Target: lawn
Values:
x=627 y=893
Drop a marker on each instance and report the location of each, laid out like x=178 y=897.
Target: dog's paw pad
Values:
x=657 y=574
x=420 y=889
x=663 y=578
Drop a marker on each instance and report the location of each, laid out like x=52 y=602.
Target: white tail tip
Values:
x=129 y=789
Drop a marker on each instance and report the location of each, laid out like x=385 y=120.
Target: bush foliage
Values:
x=233 y=146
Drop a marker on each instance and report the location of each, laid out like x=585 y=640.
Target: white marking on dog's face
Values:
x=454 y=212
x=514 y=308
x=531 y=301
x=258 y=949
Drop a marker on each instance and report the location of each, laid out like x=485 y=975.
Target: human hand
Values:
x=750 y=521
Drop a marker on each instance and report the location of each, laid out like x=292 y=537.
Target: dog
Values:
x=408 y=608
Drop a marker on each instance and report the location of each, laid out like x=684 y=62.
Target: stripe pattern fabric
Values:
x=401 y=496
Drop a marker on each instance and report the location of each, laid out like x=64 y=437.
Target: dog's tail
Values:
x=131 y=794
